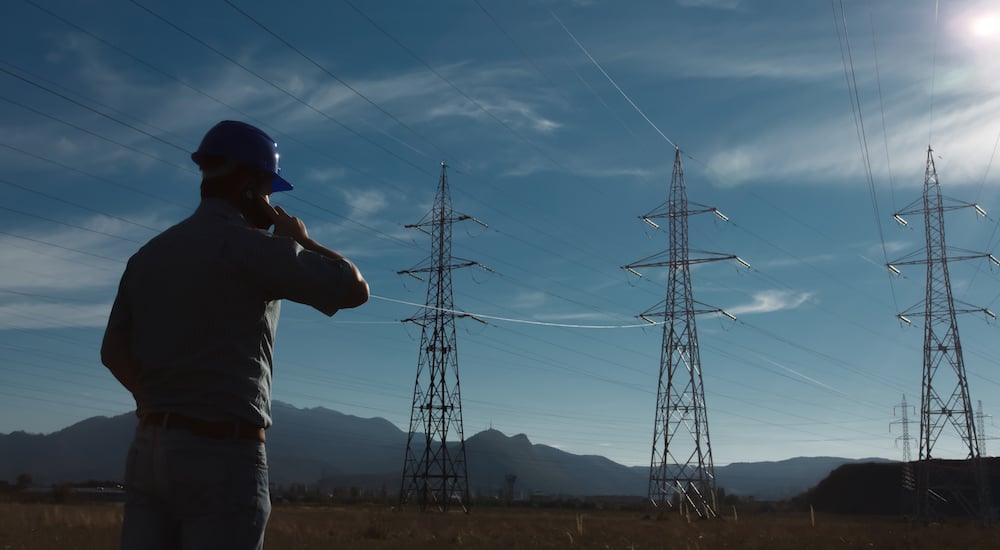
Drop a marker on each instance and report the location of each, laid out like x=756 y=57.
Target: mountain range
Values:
x=324 y=448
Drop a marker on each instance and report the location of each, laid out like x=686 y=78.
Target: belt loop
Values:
x=166 y=420
x=236 y=429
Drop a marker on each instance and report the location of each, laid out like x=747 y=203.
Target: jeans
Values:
x=192 y=493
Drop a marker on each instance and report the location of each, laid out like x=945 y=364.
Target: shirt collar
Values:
x=218 y=208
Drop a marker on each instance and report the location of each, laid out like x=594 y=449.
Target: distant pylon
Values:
x=909 y=483
x=981 y=427
x=681 y=470
x=434 y=473
x=508 y=487
x=945 y=391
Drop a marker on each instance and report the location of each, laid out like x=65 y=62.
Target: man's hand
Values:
x=286 y=225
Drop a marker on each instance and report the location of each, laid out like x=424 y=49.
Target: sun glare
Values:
x=986 y=26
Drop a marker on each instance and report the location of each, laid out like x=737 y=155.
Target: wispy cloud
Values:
x=891 y=247
x=528 y=300
x=714 y=4
x=795 y=262
x=573 y=317
x=48 y=275
x=810 y=137
x=325 y=175
x=498 y=108
x=63 y=259
x=40 y=315
x=801 y=150
x=364 y=202
x=769 y=301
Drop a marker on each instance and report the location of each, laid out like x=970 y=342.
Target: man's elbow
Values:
x=107 y=360
x=359 y=295
x=115 y=360
x=111 y=352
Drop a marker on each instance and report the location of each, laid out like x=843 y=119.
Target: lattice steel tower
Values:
x=434 y=473
x=907 y=467
x=941 y=485
x=681 y=472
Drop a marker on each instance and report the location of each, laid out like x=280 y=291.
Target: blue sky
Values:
x=556 y=119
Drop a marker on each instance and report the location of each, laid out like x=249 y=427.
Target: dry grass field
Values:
x=45 y=526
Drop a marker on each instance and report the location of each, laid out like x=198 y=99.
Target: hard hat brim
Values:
x=279 y=184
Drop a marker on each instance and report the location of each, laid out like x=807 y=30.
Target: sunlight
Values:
x=986 y=26
x=976 y=35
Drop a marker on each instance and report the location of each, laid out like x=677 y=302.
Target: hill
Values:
x=874 y=489
x=326 y=448
x=782 y=479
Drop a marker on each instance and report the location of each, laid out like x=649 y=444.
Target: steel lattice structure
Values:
x=681 y=471
x=944 y=486
x=908 y=482
x=435 y=473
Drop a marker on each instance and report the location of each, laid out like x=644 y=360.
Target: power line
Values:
x=521 y=50
x=89 y=175
x=75 y=204
x=332 y=75
x=89 y=108
x=612 y=81
x=74 y=226
x=508 y=319
x=54 y=245
x=172 y=77
x=94 y=134
x=195 y=89
x=284 y=91
x=881 y=106
x=859 y=123
x=452 y=85
x=930 y=123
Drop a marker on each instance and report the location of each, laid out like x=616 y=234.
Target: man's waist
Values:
x=212 y=429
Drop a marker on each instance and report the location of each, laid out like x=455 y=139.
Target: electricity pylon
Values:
x=681 y=471
x=945 y=391
x=908 y=480
x=981 y=426
x=434 y=474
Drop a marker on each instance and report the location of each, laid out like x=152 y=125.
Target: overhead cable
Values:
x=508 y=319
x=612 y=81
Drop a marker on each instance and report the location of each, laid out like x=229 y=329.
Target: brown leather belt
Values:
x=224 y=429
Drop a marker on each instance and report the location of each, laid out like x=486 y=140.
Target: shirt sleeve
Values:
x=285 y=270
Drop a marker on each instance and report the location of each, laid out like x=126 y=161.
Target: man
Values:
x=191 y=334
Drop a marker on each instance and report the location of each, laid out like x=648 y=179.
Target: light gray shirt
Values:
x=200 y=302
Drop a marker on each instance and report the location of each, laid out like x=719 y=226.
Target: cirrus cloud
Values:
x=769 y=301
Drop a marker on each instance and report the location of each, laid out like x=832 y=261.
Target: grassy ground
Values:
x=44 y=526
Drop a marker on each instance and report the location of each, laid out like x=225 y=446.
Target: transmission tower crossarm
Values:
x=959 y=205
x=975 y=256
x=668 y=210
x=914 y=312
x=681 y=262
x=454 y=217
x=418 y=227
x=432 y=269
x=659 y=310
x=463 y=217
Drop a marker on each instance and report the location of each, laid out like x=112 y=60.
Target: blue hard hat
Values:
x=245 y=144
